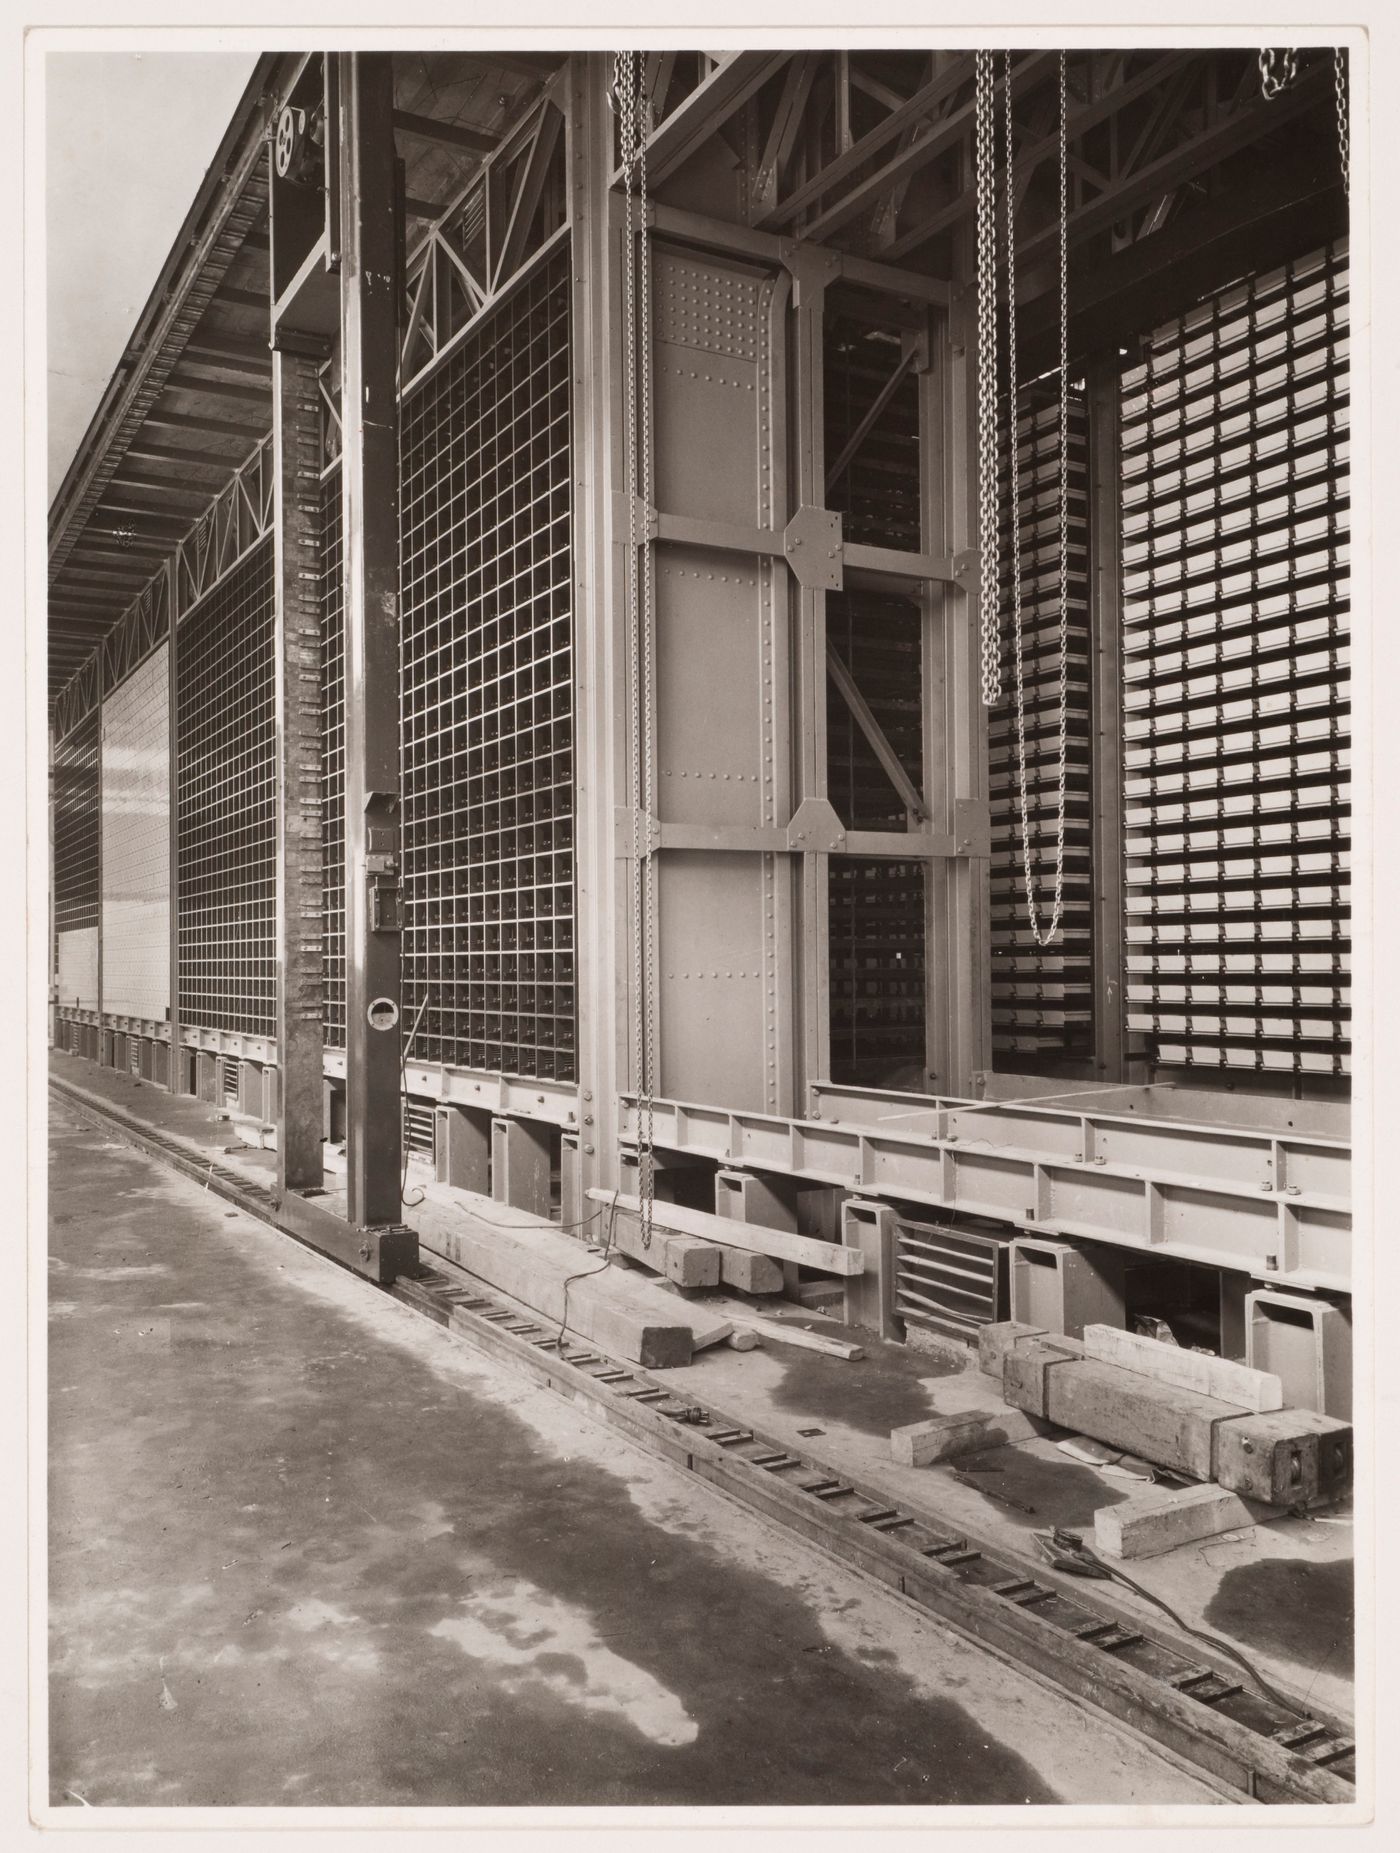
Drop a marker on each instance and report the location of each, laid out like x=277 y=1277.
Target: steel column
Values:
x=296 y=406
x=603 y=893
x=807 y=488
x=172 y=696
x=959 y=887
x=101 y=1015
x=369 y=276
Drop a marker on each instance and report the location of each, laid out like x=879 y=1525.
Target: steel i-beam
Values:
x=369 y=273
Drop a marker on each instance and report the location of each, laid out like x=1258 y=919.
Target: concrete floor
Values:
x=308 y=1549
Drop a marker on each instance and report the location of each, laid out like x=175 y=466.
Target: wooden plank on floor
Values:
x=782 y=1244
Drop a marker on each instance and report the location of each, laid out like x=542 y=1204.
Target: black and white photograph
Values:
x=701 y=802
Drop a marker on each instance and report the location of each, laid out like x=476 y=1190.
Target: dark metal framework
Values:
x=1236 y=605
x=487 y=693
x=225 y=804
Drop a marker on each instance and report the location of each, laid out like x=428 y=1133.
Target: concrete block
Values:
x=685 y=1259
x=1063 y=1287
x=1189 y=1370
x=1286 y=1457
x=968 y=1432
x=1026 y=1367
x=994 y=1341
x=1152 y=1523
x=1157 y=1422
x=1306 y=1342
x=207 y=1077
x=869 y=1300
x=750 y=1273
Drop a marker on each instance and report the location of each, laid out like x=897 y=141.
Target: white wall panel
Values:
x=77 y=968
x=136 y=843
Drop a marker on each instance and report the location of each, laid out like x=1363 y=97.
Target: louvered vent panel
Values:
x=1042 y=997
x=1236 y=603
x=950 y=1279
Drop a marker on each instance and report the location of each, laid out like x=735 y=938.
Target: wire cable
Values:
x=584 y=1273
x=403 y=1088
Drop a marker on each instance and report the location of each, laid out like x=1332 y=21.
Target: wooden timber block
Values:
x=829 y=1257
x=1157 y=1422
x=636 y=1321
x=1027 y=1366
x=1189 y=1370
x=1155 y=1522
x=994 y=1341
x=748 y=1273
x=684 y=1259
x=920 y=1444
x=1286 y=1457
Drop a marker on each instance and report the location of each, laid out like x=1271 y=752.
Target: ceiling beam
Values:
x=1033 y=69
x=1193 y=158
x=708 y=107
x=189 y=421
x=149 y=452
x=1086 y=117
x=923 y=102
x=461 y=135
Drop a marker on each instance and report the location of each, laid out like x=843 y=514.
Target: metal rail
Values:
x=1274 y=1205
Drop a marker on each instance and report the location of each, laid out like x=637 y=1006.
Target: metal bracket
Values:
x=645 y=518
x=810 y=266
x=972 y=827
x=814 y=549
x=816 y=827
x=634 y=827
x=967 y=570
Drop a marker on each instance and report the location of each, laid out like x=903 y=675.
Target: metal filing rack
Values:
x=487 y=694
x=1043 y=997
x=876 y=907
x=1235 y=632
x=332 y=760
x=226 y=807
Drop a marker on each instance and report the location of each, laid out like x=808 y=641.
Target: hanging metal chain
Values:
x=1042 y=936
x=629 y=102
x=1277 y=70
x=989 y=597
x=1339 y=79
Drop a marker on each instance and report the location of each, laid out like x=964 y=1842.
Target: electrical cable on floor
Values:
x=1077 y=1558
x=584 y=1273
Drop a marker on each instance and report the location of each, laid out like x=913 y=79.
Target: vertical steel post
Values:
x=101 y=910
x=811 y=270
x=172 y=709
x=369 y=274
x=603 y=890
x=296 y=444
x=959 y=1037
x=1106 y=710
